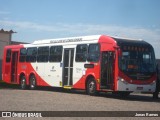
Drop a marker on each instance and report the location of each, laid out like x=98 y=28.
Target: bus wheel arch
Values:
x=22 y=81
x=32 y=81
x=91 y=85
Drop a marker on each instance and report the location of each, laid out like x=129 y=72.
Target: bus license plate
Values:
x=139 y=88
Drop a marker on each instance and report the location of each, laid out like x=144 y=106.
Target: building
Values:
x=5 y=39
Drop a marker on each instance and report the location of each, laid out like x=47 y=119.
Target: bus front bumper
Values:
x=124 y=86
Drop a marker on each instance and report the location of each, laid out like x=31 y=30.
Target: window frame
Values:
x=33 y=56
x=51 y=56
x=8 y=55
x=93 y=53
x=43 y=57
x=22 y=57
x=85 y=55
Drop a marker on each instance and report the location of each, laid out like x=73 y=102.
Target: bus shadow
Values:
x=4 y=85
x=132 y=97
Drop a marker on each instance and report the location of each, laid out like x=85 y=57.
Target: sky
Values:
x=49 y=19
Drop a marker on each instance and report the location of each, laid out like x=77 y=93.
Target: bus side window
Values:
x=8 y=55
x=23 y=53
x=55 y=54
x=93 y=53
x=43 y=54
x=81 y=53
x=31 y=54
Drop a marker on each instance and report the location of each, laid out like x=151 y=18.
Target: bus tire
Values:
x=23 y=84
x=32 y=82
x=91 y=87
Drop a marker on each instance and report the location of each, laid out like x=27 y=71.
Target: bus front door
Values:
x=68 y=67
x=14 y=63
x=107 y=70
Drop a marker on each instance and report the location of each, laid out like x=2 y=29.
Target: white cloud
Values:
x=150 y=35
x=25 y=25
x=85 y=29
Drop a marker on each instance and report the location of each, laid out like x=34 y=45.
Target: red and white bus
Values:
x=92 y=63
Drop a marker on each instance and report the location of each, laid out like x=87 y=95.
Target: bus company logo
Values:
x=66 y=40
x=6 y=114
x=20 y=114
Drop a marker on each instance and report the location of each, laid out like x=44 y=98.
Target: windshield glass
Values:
x=134 y=60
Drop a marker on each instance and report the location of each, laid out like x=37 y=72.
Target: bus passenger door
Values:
x=14 y=63
x=68 y=67
x=107 y=70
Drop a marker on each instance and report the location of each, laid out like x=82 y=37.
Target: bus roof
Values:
x=125 y=38
x=78 y=39
x=69 y=39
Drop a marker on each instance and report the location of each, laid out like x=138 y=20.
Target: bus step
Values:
x=106 y=90
x=67 y=87
x=104 y=87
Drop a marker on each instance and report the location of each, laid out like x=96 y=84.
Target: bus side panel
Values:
x=3 y=64
x=94 y=72
x=53 y=74
x=79 y=75
x=27 y=69
x=10 y=65
x=5 y=68
x=46 y=73
x=22 y=69
x=39 y=78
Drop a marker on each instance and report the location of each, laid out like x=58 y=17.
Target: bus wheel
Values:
x=32 y=83
x=91 y=87
x=23 y=83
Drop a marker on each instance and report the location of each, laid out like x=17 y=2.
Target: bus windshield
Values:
x=135 y=60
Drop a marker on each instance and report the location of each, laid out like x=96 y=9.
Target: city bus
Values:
x=97 y=63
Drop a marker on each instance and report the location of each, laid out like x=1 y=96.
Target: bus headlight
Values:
x=153 y=82
x=122 y=80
